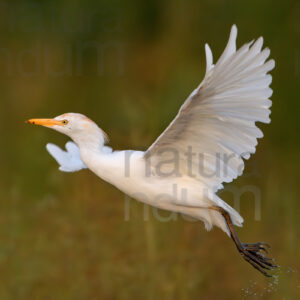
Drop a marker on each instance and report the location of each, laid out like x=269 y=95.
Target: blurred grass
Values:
x=63 y=236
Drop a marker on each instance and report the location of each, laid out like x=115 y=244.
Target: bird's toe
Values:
x=255 y=254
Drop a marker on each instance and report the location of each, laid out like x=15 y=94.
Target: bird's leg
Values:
x=252 y=253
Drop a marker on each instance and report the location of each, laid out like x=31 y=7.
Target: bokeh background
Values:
x=129 y=65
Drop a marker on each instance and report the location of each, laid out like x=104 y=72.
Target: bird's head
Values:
x=78 y=127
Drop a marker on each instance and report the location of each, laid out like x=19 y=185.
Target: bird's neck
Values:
x=92 y=152
x=92 y=141
x=101 y=163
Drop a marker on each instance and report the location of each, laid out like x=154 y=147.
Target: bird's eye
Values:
x=65 y=122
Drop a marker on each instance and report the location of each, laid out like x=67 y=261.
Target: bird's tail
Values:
x=212 y=217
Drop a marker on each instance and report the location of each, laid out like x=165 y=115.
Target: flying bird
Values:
x=202 y=148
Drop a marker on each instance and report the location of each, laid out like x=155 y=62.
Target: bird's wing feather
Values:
x=69 y=160
x=217 y=121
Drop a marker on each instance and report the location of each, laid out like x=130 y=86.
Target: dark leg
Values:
x=252 y=253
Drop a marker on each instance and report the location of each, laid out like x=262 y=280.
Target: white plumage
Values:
x=203 y=147
x=219 y=116
x=68 y=160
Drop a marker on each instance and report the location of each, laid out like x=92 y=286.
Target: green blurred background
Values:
x=129 y=65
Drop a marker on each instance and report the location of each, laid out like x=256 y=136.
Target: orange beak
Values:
x=45 y=122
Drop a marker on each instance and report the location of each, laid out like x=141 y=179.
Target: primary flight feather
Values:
x=203 y=147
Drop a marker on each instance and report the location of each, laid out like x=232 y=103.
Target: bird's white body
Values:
x=128 y=171
x=203 y=146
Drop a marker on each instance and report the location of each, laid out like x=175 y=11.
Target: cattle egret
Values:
x=203 y=146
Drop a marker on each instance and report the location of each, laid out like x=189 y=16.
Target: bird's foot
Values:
x=255 y=254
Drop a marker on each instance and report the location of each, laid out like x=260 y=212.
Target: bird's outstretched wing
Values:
x=217 y=121
x=69 y=160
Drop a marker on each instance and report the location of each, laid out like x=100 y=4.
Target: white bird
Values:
x=203 y=146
